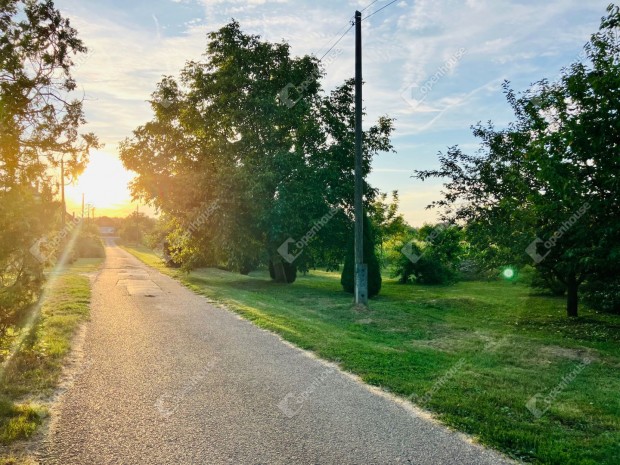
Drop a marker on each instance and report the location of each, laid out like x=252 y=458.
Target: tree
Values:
x=386 y=221
x=39 y=124
x=38 y=121
x=135 y=226
x=258 y=169
x=545 y=190
x=347 y=278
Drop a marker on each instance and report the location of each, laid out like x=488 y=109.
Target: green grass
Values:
x=32 y=374
x=19 y=421
x=481 y=349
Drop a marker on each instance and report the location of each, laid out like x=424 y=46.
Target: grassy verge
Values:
x=32 y=374
x=475 y=354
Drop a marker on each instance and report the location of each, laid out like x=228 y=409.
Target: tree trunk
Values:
x=572 y=299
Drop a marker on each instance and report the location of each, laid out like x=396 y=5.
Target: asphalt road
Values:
x=164 y=377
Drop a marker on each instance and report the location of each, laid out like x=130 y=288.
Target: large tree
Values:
x=246 y=142
x=39 y=126
x=39 y=120
x=545 y=190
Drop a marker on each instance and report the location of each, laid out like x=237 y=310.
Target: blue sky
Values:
x=434 y=65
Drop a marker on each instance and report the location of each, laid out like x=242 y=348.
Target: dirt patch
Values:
x=474 y=342
x=441 y=344
x=360 y=309
x=571 y=354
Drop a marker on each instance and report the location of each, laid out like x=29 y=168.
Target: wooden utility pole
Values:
x=361 y=269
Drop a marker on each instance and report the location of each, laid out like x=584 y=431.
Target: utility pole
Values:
x=63 y=183
x=82 y=206
x=137 y=223
x=62 y=190
x=361 y=269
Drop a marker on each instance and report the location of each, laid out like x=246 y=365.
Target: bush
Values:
x=25 y=219
x=603 y=295
x=22 y=291
x=88 y=245
x=547 y=281
x=432 y=256
x=424 y=268
x=470 y=270
x=347 y=278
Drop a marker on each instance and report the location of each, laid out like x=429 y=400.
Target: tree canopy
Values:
x=226 y=144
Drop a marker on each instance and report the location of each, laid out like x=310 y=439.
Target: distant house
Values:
x=107 y=230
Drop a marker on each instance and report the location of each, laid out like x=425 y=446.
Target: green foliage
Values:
x=545 y=191
x=39 y=126
x=387 y=223
x=347 y=278
x=136 y=227
x=38 y=120
x=239 y=167
x=432 y=255
x=155 y=238
x=19 y=421
x=36 y=367
x=23 y=219
x=88 y=245
x=546 y=281
x=603 y=294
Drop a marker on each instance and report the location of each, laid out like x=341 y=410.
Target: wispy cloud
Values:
x=135 y=43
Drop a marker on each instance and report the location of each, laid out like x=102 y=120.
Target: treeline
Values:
x=251 y=164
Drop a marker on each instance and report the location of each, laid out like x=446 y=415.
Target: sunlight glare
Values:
x=104 y=185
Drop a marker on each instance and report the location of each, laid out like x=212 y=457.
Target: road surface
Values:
x=167 y=378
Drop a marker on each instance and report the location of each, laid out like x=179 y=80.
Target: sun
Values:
x=104 y=184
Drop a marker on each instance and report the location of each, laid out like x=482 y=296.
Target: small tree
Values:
x=386 y=221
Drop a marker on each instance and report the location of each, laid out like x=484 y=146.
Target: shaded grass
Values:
x=474 y=353
x=32 y=374
x=19 y=421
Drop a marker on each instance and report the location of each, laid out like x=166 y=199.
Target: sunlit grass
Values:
x=19 y=421
x=506 y=344
x=33 y=372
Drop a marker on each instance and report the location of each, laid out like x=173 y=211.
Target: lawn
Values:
x=475 y=354
x=31 y=376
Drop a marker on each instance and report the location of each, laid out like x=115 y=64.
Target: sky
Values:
x=436 y=66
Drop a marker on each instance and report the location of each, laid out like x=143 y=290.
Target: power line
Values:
x=352 y=24
x=377 y=11
x=368 y=6
x=336 y=43
x=335 y=35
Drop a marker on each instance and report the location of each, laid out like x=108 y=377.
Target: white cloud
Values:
x=404 y=44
